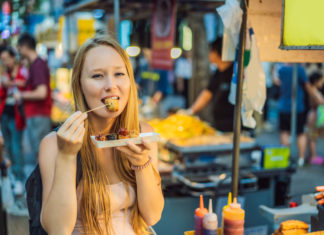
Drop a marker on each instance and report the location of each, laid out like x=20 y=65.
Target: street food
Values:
x=100 y=137
x=292 y=227
x=123 y=133
x=112 y=103
x=181 y=126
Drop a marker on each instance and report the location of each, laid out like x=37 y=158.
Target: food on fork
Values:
x=112 y=103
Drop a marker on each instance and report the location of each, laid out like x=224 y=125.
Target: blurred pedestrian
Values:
x=183 y=74
x=313 y=131
x=285 y=77
x=217 y=90
x=37 y=96
x=12 y=114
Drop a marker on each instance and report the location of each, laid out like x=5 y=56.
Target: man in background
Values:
x=217 y=90
x=37 y=96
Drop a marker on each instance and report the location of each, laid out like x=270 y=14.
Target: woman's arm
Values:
x=57 y=161
x=149 y=193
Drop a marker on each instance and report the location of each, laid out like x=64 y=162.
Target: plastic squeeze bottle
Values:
x=210 y=221
x=233 y=219
x=199 y=215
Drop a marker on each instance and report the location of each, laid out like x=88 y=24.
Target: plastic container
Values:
x=199 y=216
x=233 y=219
x=210 y=221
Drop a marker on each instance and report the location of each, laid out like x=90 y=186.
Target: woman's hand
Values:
x=70 y=135
x=138 y=155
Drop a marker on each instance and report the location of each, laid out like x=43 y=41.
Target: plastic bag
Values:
x=254 y=85
x=320 y=116
x=231 y=15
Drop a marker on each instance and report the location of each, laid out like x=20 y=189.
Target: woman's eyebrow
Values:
x=96 y=70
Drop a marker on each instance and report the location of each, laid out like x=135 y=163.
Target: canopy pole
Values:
x=293 y=127
x=117 y=18
x=238 y=106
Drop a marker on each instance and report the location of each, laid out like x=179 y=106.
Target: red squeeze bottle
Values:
x=199 y=216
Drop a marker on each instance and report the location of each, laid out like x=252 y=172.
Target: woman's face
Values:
x=7 y=60
x=104 y=75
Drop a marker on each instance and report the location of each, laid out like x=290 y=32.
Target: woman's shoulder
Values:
x=48 y=143
x=145 y=127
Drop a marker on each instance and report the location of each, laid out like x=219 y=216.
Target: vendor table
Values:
x=207 y=170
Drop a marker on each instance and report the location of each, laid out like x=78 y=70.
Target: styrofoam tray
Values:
x=149 y=136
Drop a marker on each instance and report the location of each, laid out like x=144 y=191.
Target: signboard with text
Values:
x=163 y=30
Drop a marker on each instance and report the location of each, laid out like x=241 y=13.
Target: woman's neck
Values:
x=100 y=125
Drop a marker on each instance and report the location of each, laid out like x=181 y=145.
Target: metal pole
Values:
x=117 y=18
x=237 y=110
x=293 y=127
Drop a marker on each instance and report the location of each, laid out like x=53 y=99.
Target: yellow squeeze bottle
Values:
x=233 y=216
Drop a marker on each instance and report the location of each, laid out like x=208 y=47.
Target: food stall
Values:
x=195 y=159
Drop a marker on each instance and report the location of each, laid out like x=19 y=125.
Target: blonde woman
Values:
x=111 y=197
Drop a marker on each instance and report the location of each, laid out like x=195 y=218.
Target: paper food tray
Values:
x=150 y=137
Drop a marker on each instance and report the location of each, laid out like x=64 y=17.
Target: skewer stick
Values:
x=95 y=108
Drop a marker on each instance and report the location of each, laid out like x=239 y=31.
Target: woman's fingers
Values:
x=76 y=124
x=146 y=144
x=70 y=121
x=75 y=138
x=134 y=148
x=71 y=124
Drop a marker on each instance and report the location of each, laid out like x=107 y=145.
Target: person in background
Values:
x=12 y=114
x=37 y=96
x=217 y=90
x=316 y=80
x=4 y=163
x=285 y=78
x=183 y=74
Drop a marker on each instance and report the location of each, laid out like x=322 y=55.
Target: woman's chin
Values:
x=106 y=114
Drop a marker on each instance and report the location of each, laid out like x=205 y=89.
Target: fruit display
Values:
x=179 y=126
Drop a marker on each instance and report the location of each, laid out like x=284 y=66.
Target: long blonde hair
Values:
x=95 y=196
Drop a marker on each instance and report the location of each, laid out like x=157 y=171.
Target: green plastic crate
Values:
x=276 y=157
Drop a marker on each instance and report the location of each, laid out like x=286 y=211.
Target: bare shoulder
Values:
x=48 y=149
x=146 y=127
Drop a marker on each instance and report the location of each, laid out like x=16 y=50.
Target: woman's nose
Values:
x=110 y=82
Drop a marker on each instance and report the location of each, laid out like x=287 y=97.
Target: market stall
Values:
x=200 y=160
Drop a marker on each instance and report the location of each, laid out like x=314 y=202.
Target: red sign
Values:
x=163 y=28
x=6 y=8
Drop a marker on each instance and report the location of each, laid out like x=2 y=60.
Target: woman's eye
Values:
x=98 y=75
x=119 y=74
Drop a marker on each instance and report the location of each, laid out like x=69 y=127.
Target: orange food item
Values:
x=112 y=104
x=320 y=188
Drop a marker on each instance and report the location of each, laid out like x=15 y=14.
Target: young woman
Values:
x=120 y=189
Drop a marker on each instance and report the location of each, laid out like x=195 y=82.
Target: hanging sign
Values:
x=302 y=24
x=163 y=29
x=86 y=30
